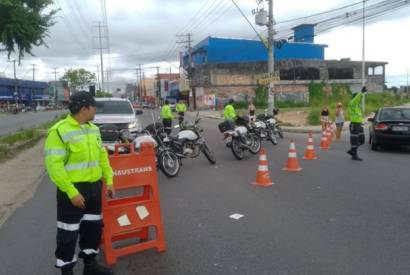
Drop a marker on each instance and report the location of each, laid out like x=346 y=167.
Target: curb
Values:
x=284 y=129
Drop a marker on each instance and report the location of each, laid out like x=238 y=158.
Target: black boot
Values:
x=351 y=152
x=356 y=157
x=91 y=267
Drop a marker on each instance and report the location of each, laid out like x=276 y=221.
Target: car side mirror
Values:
x=138 y=112
x=371 y=119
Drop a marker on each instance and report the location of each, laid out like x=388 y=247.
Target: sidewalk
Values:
x=287 y=129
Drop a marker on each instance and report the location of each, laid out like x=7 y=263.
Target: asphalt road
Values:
x=12 y=123
x=336 y=216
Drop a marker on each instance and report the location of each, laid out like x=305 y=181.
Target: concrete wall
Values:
x=239 y=80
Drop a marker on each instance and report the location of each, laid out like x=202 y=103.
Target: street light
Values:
x=363 y=54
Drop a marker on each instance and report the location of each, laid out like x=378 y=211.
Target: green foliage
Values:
x=261 y=97
x=24 y=24
x=78 y=78
x=314 y=116
x=290 y=104
x=102 y=94
x=19 y=137
x=240 y=105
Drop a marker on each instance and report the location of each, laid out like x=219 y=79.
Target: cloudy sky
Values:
x=144 y=32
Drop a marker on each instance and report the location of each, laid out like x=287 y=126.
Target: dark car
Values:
x=390 y=126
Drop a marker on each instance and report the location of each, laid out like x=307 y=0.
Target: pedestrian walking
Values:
x=77 y=161
x=356 y=124
x=324 y=118
x=167 y=117
x=339 y=120
x=251 y=111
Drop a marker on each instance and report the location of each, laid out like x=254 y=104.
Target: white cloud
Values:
x=144 y=32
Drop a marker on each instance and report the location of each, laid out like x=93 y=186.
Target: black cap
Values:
x=79 y=100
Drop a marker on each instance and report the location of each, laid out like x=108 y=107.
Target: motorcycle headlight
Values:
x=133 y=125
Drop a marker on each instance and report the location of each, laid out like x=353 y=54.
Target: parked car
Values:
x=118 y=112
x=390 y=126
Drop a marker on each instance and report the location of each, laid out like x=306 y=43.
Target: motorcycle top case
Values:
x=225 y=126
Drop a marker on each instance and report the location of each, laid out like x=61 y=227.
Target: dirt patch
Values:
x=294 y=118
x=19 y=179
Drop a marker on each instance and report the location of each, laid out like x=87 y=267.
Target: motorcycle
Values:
x=166 y=160
x=271 y=122
x=239 y=139
x=261 y=129
x=189 y=142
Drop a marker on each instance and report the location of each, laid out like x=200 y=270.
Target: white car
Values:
x=118 y=112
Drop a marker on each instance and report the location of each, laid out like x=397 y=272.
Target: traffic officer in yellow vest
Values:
x=76 y=162
x=230 y=114
x=181 y=109
x=356 y=124
x=167 y=117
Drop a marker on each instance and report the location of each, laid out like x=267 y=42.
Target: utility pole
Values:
x=55 y=84
x=363 y=54
x=139 y=79
x=407 y=85
x=158 y=85
x=271 y=61
x=15 y=82
x=98 y=78
x=101 y=47
x=34 y=69
x=188 y=43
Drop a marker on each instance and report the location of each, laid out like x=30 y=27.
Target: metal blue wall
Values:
x=304 y=33
x=224 y=50
x=27 y=90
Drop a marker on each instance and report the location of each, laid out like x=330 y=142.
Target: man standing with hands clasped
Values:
x=76 y=162
x=356 y=124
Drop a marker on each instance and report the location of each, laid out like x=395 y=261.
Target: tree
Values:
x=24 y=24
x=78 y=79
x=102 y=94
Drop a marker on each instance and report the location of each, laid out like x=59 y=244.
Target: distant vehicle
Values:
x=118 y=112
x=136 y=105
x=390 y=126
x=148 y=106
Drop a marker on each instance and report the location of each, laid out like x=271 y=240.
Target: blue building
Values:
x=215 y=50
x=27 y=91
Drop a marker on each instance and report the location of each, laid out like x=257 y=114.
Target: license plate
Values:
x=400 y=128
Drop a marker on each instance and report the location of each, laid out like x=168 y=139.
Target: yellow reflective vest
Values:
x=166 y=112
x=180 y=108
x=75 y=153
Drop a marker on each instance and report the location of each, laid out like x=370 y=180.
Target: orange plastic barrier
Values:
x=133 y=217
x=324 y=143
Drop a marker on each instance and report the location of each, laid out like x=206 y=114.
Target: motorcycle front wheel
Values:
x=255 y=144
x=272 y=137
x=236 y=148
x=169 y=163
x=208 y=153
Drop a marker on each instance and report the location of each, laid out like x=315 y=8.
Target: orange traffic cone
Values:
x=310 y=149
x=262 y=174
x=329 y=135
x=324 y=144
x=292 y=164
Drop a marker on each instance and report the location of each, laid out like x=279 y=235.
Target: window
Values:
x=395 y=114
x=340 y=73
x=114 y=107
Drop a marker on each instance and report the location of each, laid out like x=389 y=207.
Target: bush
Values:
x=240 y=105
x=290 y=104
x=261 y=97
x=314 y=116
